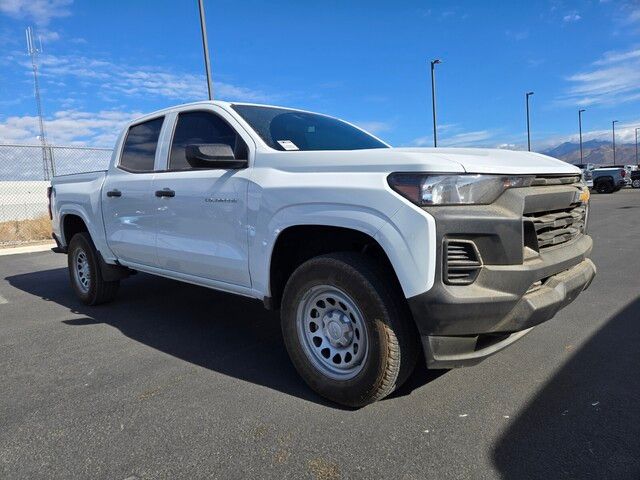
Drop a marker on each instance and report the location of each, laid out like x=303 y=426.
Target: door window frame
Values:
x=167 y=143
x=119 y=165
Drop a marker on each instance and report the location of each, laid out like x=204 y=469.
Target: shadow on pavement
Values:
x=224 y=333
x=585 y=423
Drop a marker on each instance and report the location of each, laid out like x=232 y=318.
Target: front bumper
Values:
x=449 y=351
x=515 y=289
x=491 y=303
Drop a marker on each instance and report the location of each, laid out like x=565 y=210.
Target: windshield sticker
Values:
x=288 y=145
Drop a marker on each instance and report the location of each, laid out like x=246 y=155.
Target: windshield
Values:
x=284 y=129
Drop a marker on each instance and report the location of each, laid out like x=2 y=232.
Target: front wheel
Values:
x=635 y=183
x=346 y=330
x=84 y=272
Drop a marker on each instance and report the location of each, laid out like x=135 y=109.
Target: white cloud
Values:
x=68 y=127
x=518 y=34
x=571 y=17
x=447 y=127
x=626 y=16
x=46 y=36
x=616 y=57
x=464 y=139
x=425 y=141
x=613 y=79
x=374 y=127
x=478 y=137
x=140 y=81
x=630 y=13
x=535 y=62
x=39 y=11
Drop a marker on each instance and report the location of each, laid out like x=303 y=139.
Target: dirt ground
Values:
x=18 y=232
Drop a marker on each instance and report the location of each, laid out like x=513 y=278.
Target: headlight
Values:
x=452 y=189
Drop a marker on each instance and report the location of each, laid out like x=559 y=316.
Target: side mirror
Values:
x=212 y=155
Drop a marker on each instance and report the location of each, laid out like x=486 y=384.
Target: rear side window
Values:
x=201 y=128
x=139 y=151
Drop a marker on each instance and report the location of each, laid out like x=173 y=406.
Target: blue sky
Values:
x=364 y=61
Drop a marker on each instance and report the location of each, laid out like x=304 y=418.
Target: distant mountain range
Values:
x=598 y=152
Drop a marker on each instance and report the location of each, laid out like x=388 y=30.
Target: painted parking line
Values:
x=3 y=300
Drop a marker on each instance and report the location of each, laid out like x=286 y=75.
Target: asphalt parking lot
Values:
x=175 y=381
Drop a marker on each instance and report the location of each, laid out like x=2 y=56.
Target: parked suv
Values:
x=374 y=256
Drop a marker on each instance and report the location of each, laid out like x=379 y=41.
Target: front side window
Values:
x=284 y=129
x=201 y=127
x=139 y=150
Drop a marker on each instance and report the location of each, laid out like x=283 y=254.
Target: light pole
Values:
x=580 y=127
x=637 y=146
x=613 y=126
x=205 y=46
x=528 y=122
x=433 y=99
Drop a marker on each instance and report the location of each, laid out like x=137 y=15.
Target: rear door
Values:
x=128 y=199
x=202 y=224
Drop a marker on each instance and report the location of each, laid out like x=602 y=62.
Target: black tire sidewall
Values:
x=376 y=313
x=82 y=241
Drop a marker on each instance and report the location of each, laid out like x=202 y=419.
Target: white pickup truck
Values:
x=375 y=256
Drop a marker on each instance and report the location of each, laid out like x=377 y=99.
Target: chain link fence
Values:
x=25 y=174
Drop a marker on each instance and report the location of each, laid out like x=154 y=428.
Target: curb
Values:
x=27 y=249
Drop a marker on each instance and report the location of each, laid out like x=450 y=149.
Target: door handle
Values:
x=165 y=193
x=114 y=193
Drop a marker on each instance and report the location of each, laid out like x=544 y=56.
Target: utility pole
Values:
x=34 y=50
x=205 y=46
x=613 y=126
x=528 y=123
x=580 y=127
x=637 y=163
x=433 y=99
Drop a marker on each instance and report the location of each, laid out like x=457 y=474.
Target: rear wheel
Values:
x=346 y=330
x=604 y=187
x=84 y=272
x=636 y=183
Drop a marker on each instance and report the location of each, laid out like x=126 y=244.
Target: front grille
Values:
x=461 y=262
x=557 y=227
x=545 y=180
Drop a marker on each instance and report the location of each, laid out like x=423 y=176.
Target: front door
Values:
x=202 y=211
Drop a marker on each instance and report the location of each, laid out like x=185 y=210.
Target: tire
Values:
x=604 y=187
x=84 y=272
x=360 y=319
x=636 y=183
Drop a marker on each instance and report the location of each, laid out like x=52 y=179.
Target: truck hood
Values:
x=485 y=160
x=445 y=160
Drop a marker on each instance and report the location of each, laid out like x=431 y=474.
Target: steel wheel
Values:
x=81 y=270
x=332 y=332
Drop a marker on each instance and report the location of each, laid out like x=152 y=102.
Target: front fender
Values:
x=405 y=237
x=409 y=240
